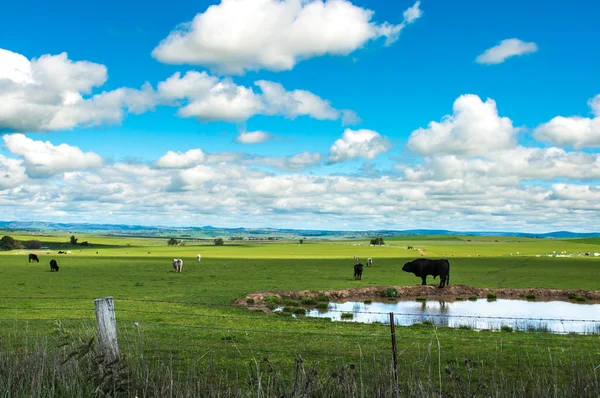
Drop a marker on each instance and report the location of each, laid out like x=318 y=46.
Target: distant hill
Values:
x=210 y=231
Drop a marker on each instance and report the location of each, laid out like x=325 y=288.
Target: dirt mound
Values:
x=452 y=291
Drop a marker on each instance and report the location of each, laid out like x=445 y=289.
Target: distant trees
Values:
x=73 y=240
x=301 y=241
x=172 y=242
x=9 y=243
x=32 y=244
x=377 y=241
x=84 y=243
x=219 y=242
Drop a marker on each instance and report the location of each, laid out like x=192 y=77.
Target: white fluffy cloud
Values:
x=178 y=160
x=239 y=35
x=253 y=137
x=12 y=173
x=474 y=128
x=509 y=166
x=209 y=98
x=43 y=159
x=367 y=144
x=47 y=94
x=233 y=194
x=506 y=49
x=196 y=157
x=575 y=131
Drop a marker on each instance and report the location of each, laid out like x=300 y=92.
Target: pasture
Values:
x=187 y=319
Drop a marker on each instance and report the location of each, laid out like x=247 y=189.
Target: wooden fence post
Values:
x=394 y=353
x=107 y=328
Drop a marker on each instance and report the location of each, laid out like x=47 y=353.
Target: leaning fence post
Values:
x=394 y=353
x=107 y=328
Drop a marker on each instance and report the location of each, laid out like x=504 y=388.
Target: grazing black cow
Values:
x=422 y=267
x=33 y=257
x=53 y=265
x=358 y=268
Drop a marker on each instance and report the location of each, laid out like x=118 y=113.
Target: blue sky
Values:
x=508 y=163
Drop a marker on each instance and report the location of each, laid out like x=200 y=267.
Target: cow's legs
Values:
x=424 y=278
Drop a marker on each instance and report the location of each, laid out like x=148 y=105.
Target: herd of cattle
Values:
x=421 y=267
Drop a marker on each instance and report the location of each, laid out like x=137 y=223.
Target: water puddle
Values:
x=550 y=316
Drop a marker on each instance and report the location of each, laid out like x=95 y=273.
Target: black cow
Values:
x=358 y=268
x=422 y=267
x=33 y=257
x=53 y=265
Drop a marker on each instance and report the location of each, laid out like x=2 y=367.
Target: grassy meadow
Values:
x=187 y=320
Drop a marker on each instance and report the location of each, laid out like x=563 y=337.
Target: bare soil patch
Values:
x=256 y=299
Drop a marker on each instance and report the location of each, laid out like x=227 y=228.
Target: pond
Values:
x=525 y=315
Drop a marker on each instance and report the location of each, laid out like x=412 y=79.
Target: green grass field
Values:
x=188 y=316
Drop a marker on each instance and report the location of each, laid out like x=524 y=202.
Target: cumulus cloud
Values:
x=47 y=94
x=504 y=50
x=196 y=157
x=575 y=131
x=474 y=128
x=231 y=194
x=253 y=137
x=239 y=35
x=367 y=144
x=43 y=159
x=296 y=162
x=12 y=173
x=178 y=160
x=209 y=98
x=509 y=166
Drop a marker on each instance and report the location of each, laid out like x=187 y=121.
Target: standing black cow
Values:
x=33 y=257
x=53 y=265
x=422 y=267
x=358 y=268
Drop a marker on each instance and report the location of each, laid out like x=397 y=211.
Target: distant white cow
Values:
x=177 y=264
x=69 y=252
x=356 y=258
x=198 y=257
x=369 y=262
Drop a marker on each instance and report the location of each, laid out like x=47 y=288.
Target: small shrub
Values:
x=506 y=328
x=421 y=298
x=465 y=327
x=580 y=298
x=323 y=306
x=288 y=309
x=390 y=292
x=300 y=311
x=271 y=300
x=227 y=338
x=427 y=323
x=572 y=296
x=368 y=302
x=291 y=303
x=139 y=284
x=530 y=296
x=346 y=315
x=309 y=301
x=323 y=297
x=492 y=296
x=460 y=298
x=473 y=298
x=250 y=301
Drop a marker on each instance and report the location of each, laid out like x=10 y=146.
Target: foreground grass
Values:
x=435 y=366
